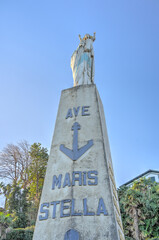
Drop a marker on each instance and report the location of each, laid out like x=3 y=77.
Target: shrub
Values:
x=20 y=234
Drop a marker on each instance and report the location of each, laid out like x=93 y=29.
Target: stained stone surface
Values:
x=79 y=199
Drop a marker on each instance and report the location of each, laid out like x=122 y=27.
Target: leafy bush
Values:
x=20 y=234
x=139 y=205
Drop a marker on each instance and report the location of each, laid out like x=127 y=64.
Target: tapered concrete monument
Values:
x=79 y=199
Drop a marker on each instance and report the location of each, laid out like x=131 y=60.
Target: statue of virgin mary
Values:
x=82 y=61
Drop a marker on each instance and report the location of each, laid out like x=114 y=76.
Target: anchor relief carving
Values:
x=76 y=152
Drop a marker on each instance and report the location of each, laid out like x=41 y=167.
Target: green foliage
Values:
x=37 y=170
x=140 y=209
x=20 y=234
x=5 y=219
x=18 y=206
x=5 y=190
x=23 y=193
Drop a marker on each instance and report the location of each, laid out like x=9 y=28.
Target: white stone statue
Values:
x=82 y=61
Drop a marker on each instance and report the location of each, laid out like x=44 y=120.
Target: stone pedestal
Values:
x=79 y=199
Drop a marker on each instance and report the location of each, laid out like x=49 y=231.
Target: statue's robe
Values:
x=82 y=63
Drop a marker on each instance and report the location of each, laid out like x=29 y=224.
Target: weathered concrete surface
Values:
x=103 y=224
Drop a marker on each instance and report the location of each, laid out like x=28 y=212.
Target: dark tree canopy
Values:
x=139 y=206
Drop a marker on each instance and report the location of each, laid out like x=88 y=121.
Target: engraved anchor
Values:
x=76 y=153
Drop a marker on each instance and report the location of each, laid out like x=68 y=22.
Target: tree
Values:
x=18 y=206
x=5 y=221
x=132 y=207
x=140 y=209
x=5 y=190
x=37 y=169
x=14 y=162
x=25 y=167
x=24 y=161
x=126 y=219
x=150 y=210
x=9 y=163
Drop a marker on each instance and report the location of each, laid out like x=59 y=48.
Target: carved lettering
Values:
x=75 y=111
x=56 y=181
x=67 y=208
x=76 y=178
x=69 y=113
x=101 y=208
x=42 y=210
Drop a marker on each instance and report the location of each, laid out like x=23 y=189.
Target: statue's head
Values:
x=87 y=36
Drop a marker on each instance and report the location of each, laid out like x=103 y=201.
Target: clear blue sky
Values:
x=37 y=39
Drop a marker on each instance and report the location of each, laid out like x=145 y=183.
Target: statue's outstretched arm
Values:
x=80 y=37
x=94 y=37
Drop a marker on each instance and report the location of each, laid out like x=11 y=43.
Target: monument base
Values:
x=79 y=199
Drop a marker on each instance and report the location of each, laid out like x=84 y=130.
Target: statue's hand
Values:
x=94 y=37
